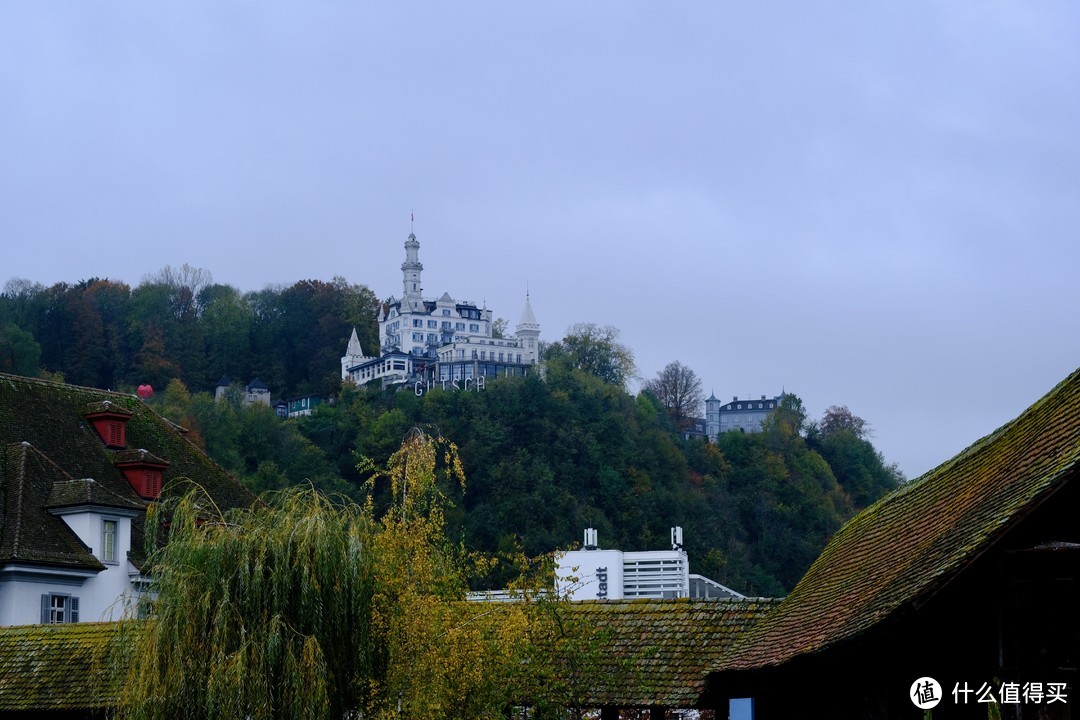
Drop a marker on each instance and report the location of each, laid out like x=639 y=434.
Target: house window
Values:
x=432 y=323
x=108 y=541
x=474 y=327
x=459 y=326
x=446 y=313
x=56 y=608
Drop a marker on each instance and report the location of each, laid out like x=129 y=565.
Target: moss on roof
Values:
x=653 y=653
x=909 y=544
x=60 y=667
x=51 y=419
x=659 y=652
x=28 y=533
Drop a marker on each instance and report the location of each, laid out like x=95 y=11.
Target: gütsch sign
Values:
x=477 y=384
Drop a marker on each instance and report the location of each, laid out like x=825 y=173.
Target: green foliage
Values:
x=307 y=607
x=178 y=324
x=20 y=353
x=593 y=350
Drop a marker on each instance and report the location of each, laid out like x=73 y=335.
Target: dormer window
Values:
x=144 y=472
x=109 y=420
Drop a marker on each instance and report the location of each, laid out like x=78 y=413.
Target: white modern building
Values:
x=439 y=341
x=592 y=573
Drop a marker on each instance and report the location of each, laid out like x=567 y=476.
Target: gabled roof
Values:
x=46 y=441
x=659 y=652
x=911 y=543
x=60 y=667
x=28 y=533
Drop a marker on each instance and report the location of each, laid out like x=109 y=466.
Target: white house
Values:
x=76 y=478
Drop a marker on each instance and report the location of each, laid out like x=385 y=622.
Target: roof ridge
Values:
x=57 y=383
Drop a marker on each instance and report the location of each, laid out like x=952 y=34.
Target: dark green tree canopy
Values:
x=594 y=350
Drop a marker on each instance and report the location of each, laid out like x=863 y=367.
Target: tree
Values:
x=678 y=388
x=594 y=350
x=20 y=353
x=307 y=607
x=838 y=418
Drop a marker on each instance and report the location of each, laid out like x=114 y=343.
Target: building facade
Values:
x=592 y=573
x=746 y=415
x=78 y=469
x=440 y=342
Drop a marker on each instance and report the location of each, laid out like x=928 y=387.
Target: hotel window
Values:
x=108 y=541
x=433 y=323
x=474 y=327
x=459 y=326
x=446 y=313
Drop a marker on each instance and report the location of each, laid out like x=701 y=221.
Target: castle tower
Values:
x=712 y=417
x=410 y=271
x=528 y=332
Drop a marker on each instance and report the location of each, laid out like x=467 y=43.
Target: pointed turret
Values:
x=354 y=355
x=528 y=332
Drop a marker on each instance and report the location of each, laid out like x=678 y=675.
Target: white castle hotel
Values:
x=439 y=343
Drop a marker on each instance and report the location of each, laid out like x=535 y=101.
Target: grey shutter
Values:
x=45 y=609
x=73 y=609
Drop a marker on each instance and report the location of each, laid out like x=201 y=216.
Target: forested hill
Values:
x=545 y=457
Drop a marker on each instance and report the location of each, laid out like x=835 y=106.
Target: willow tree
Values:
x=307 y=607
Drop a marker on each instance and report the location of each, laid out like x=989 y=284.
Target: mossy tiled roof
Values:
x=29 y=534
x=47 y=446
x=59 y=667
x=908 y=545
x=659 y=652
x=651 y=653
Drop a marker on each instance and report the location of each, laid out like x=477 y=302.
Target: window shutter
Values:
x=45 y=609
x=73 y=609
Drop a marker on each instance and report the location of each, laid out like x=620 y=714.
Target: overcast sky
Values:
x=871 y=204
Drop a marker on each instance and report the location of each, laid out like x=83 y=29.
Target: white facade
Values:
x=32 y=594
x=416 y=335
x=595 y=574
